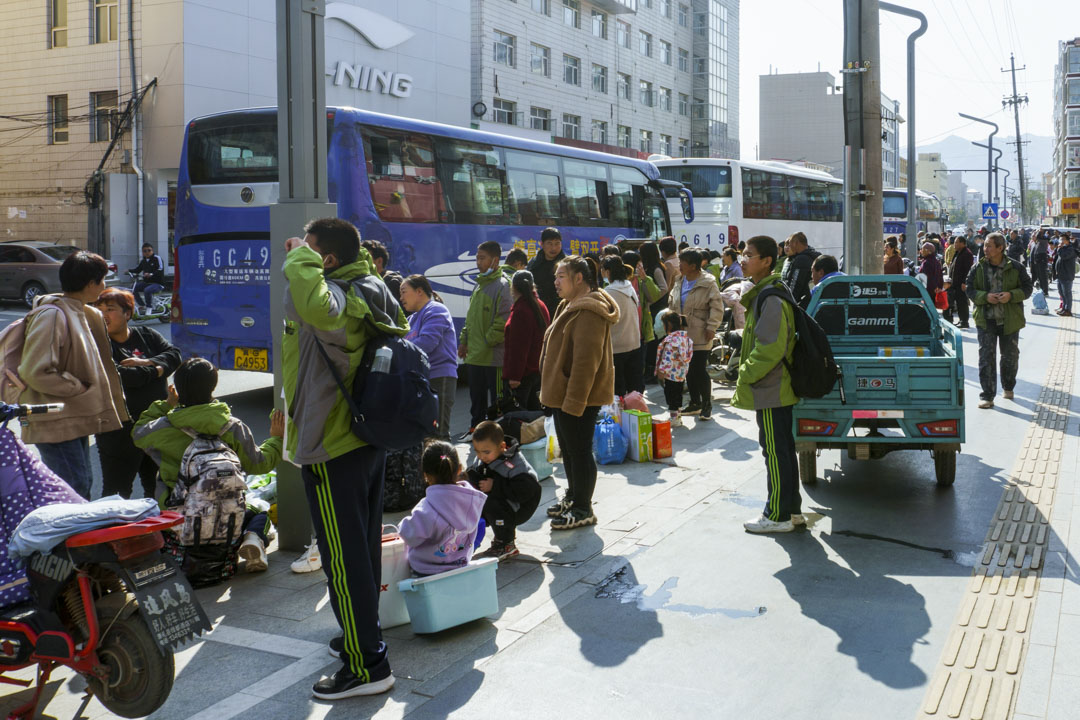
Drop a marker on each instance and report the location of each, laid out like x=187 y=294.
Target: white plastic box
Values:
x=452 y=598
x=536 y=454
x=395 y=568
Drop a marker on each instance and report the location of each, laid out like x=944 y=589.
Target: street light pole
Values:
x=989 y=154
x=997 y=165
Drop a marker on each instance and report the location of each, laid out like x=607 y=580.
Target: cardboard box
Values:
x=661 y=435
x=637 y=426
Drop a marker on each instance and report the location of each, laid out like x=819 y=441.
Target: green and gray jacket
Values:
x=764 y=382
x=1015 y=281
x=158 y=432
x=318 y=419
x=485 y=321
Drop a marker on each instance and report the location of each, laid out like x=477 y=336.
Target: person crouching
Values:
x=505 y=476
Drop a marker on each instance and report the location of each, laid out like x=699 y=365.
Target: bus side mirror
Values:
x=687 y=200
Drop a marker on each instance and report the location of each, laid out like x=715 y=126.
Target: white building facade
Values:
x=1065 y=197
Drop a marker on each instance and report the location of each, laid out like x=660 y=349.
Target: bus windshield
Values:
x=894 y=204
x=241 y=151
x=703 y=181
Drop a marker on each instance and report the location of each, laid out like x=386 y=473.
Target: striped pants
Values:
x=345 y=499
x=781 y=463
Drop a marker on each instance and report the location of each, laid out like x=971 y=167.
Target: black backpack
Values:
x=403 y=485
x=393 y=410
x=812 y=354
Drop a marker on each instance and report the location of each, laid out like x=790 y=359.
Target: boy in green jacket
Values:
x=764 y=386
x=160 y=432
x=481 y=342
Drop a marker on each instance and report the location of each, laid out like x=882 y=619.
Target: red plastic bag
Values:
x=635 y=401
x=941 y=300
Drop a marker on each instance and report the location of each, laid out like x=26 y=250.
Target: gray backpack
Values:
x=211 y=490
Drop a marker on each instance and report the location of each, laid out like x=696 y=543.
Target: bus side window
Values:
x=474 y=181
x=753 y=182
x=401 y=172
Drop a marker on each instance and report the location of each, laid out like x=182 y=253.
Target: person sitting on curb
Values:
x=163 y=432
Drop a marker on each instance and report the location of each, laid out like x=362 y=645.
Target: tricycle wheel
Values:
x=945 y=467
x=808 y=467
x=140 y=675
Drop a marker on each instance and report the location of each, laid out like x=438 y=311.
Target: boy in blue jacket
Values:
x=513 y=492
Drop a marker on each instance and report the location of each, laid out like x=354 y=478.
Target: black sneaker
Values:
x=499 y=550
x=343 y=684
x=558 y=507
x=336 y=646
x=573 y=518
x=467 y=435
x=706 y=414
x=691 y=409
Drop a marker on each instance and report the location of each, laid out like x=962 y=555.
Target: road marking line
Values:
x=1014 y=556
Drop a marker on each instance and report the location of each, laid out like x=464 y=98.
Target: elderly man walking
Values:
x=998 y=285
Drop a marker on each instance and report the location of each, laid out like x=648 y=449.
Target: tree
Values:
x=1034 y=205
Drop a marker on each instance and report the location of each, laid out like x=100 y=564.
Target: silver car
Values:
x=30 y=268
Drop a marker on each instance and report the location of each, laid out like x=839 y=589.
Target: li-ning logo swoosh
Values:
x=380 y=31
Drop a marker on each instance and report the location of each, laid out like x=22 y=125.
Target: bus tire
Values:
x=945 y=467
x=808 y=467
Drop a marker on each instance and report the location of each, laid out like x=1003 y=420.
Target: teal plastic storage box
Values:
x=452 y=598
x=536 y=454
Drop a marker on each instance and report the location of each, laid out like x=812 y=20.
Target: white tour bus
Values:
x=736 y=200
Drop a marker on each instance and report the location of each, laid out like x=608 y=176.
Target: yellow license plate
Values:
x=257 y=359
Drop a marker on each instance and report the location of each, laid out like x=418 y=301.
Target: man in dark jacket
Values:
x=958 y=272
x=543 y=267
x=931 y=268
x=797 y=269
x=1065 y=262
x=1040 y=256
x=998 y=285
x=151 y=272
x=1016 y=247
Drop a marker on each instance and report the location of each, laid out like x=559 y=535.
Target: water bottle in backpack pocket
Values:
x=210 y=489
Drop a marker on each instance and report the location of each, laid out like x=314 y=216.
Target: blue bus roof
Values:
x=395 y=122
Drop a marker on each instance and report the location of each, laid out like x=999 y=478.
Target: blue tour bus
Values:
x=430 y=192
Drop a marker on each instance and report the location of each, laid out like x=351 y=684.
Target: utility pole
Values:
x=862 y=139
x=1015 y=101
x=302 y=196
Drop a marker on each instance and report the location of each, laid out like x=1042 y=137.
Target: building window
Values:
x=665 y=144
x=623 y=89
x=103 y=115
x=1073 y=124
x=571 y=13
x=646 y=4
x=1072 y=92
x=571 y=70
x=106 y=21
x=684 y=104
x=622 y=33
x=684 y=16
x=624 y=136
x=599 y=78
x=541 y=60
x=58 y=119
x=701 y=66
x=1072 y=185
x=58 y=23
x=599 y=132
x=599 y=24
x=540 y=119
x=1074 y=60
x=646 y=93
x=684 y=60
x=542 y=6
x=504 y=48
x=665 y=52
x=665 y=8
x=645 y=43
x=646 y=141
x=504 y=112
x=665 y=99
x=684 y=147
x=571 y=126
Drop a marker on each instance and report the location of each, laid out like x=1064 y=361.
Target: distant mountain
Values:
x=958 y=153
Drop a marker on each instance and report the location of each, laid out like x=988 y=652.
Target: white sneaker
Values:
x=762 y=524
x=986 y=404
x=798 y=519
x=676 y=420
x=309 y=561
x=253 y=552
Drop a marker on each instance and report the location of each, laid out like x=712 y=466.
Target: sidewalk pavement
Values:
x=666 y=608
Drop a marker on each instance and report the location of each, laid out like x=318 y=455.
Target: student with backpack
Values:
x=672 y=363
x=764 y=386
x=481 y=344
x=503 y=474
x=203 y=454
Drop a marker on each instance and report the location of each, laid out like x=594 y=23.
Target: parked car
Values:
x=32 y=267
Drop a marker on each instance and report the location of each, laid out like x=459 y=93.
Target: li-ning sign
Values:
x=382 y=33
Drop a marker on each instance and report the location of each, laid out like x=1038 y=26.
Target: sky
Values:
x=958 y=60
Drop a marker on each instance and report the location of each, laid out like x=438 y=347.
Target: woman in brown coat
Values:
x=894 y=264
x=577 y=376
x=696 y=296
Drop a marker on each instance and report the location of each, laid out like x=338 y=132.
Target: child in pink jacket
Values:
x=441 y=530
x=672 y=362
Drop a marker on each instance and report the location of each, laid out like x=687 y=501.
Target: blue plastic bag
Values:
x=1038 y=303
x=609 y=443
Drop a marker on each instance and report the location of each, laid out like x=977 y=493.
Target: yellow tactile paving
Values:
x=983 y=658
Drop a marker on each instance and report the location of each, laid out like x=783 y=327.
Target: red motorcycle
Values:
x=108 y=604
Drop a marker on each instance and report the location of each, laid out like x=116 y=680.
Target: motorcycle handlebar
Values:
x=7 y=412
